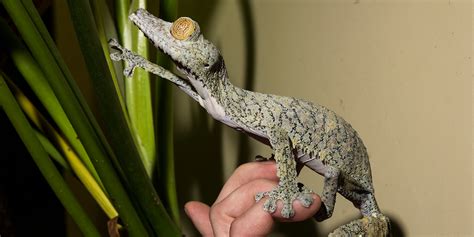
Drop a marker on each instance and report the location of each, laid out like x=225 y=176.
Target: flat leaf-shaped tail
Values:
x=370 y=226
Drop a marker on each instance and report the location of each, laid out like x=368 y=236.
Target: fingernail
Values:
x=186 y=210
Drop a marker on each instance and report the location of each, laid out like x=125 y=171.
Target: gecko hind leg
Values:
x=287 y=190
x=328 y=197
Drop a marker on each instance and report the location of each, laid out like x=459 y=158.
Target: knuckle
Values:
x=256 y=167
x=216 y=212
x=244 y=168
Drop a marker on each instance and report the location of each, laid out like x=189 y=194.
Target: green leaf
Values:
x=51 y=150
x=138 y=96
x=117 y=128
x=74 y=162
x=166 y=170
x=60 y=80
x=32 y=73
x=45 y=165
x=106 y=30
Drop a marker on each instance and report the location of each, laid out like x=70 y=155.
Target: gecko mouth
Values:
x=181 y=68
x=179 y=65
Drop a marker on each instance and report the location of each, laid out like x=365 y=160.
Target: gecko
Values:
x=299 y=132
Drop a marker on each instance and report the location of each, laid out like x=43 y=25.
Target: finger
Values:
x=223 y=213
x=246 y=173
x=255 y=222
x=258 y=222
x=301 y=212
x=198 y=212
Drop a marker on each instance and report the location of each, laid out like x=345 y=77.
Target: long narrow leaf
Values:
x=53 y=52
x=102 y=17
x=33 y=74
x=120 y=136
x=84 y=124
x=122 y=10
x=73 y=160
x=52 y=151
x=138 y=97
x=166 y=169
x=46 y=166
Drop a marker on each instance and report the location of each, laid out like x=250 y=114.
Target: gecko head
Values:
x=182 y=41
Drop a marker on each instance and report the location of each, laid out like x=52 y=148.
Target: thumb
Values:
x=198 y=212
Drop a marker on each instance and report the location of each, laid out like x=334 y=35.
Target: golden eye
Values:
x=183 y=28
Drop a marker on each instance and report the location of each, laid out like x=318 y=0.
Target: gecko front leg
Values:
x=287 y=190
x=264 y=158
x=134 y=60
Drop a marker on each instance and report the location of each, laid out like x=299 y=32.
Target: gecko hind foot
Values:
x=287 y=196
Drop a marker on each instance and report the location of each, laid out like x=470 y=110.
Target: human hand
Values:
x=235 y=212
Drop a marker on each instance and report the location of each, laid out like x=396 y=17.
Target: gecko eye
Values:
x=184 y=28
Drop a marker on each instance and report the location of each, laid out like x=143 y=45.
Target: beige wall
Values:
x=399 y=71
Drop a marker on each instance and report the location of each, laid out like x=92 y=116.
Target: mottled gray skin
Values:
x=297 y=130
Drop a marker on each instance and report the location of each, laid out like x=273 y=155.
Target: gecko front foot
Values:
x=260 y=158
x=287 y=194
x=133 y=60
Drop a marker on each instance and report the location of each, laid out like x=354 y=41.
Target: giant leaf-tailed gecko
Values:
x=298 y=131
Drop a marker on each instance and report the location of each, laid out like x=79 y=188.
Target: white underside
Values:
x=218 y=113
x=313 y=163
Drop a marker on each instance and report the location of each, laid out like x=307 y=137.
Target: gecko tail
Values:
x=371 y=226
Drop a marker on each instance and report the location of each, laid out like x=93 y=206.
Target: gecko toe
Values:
x=117 y=56
x=286 y=196
x=114 y=43
x=128 y=71
x=287 y=211
x=259 y=196
x=270 y=205
x=306 y=199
